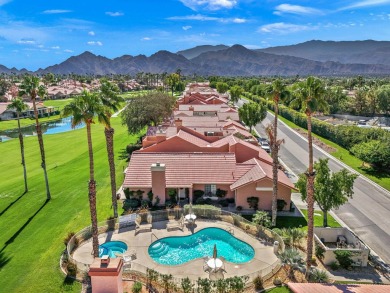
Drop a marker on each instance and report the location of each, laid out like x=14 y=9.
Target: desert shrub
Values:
x=71 y=268
x=334 y=265
x=277 y=282
x=319 y=276
x=258 y=283
x=137 y=287
x=68 y=237
x=344 y=258
x=319 y=251
x=186 y=285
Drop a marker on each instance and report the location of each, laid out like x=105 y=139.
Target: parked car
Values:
x=265 y=146
x=261 y=139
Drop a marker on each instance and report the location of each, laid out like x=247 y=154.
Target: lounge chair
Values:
x=172 y=224
x=141 y=226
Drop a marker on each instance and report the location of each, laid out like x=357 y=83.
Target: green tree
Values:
x=276 y=92
x=222 y=87
x=19 y=106
x=235 y=93
x=374 y=152
x=172 y=80
x=252 y=113
x=147 y=109
x=331 y=190
x=4 y=86
x=383 y=94
x=30 y=87
x=308 y=96
x=84 y=109
x=111 y=100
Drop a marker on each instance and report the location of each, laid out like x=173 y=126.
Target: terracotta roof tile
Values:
x=338 y=288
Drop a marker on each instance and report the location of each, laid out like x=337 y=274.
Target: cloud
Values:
x=27 y=42
x=146 y=39
x=114 y=14
x=91 y=33
x=296 y=9
x=55 y=47
x=365 y=3
x=239 y=20
x=187 y=27
x=93 y=43
x=68 y=51
x=201 y=17
x=3 y=2
x=284 y=28
x=209 y=4
x=56 y=11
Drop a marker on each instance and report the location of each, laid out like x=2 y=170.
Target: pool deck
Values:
x=263 y=259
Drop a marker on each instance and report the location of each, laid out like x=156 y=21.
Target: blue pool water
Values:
x=112 y=248
x=179 y=250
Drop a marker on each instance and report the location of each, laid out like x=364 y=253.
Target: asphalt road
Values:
x=367 y=214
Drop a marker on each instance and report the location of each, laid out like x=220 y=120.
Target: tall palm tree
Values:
x=277 y=91
x=19 y=106
x=30 y=87
x=309 y=97
x=84 y=109
x=111 y=101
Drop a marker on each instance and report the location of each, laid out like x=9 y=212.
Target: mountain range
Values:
x=324 y=58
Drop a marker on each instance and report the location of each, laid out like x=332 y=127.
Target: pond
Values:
x=52 y=127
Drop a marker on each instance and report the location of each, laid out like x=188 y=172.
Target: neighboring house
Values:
x=9 y=114
x=161 y=172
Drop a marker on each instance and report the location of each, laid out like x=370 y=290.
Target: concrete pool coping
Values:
x=264 y=257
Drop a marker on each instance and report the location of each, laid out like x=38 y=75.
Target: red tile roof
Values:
x=182 y=169
x=338 y=288
x=260 y=171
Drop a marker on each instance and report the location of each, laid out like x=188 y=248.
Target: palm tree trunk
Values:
x=22 y=154
x=42 y=149
x=275 y=163
x=92 y=195
x=109 y=133
x=310 y=197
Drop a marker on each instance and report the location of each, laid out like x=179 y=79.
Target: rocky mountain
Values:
x=196 y=51
x=239 y=61
x=361 y=52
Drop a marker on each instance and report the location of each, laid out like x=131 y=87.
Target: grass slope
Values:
x=381 y=178
x=31 y=240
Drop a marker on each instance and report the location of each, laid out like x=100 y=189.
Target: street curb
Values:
x=387 y=193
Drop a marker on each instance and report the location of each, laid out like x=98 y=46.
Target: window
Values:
x=210 y=189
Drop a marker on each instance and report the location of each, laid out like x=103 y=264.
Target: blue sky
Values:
x=40 y=33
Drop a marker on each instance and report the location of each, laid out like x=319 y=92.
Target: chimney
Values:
x=160 y=134
x=158 y=180
x=191 y=108
x=178 y=123
x=106 y=275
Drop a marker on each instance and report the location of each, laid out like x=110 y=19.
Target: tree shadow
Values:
x=379 y=174
x=3 y=260
x=67 y=284
x=13 y=237
x=12 y=203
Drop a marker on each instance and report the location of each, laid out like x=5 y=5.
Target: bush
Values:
x=68 y=237
x=200 y=201
x=277 y=282
x=131 y=203
x=71 y=268
x=319 y=251
x=258 y=283
x=253 y=202
x=132 y=147
x=137 y=287
x=344 y=258
x=280 y=203
x=334 y=265
x=230 y=200
x=220 y=193
x=319 y=276
x=224 y=203
x=150 y=196
x=128 y=193
x=239 y=208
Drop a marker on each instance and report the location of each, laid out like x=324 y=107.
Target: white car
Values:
x=265 y=146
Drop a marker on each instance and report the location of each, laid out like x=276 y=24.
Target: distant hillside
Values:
x=362 y=52
x=196 y=51
x=240 y=61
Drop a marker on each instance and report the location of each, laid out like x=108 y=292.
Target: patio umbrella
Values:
x=215 y=251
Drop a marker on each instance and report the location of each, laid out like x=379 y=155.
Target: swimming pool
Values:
x=112 y=248
x=178 y=250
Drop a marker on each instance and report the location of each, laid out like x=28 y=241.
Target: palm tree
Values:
x=309 y=96
x=84 y=109
x=111 y=101
x=291 y=260
x=19 y=106
x=276 y=91
x=30 y=87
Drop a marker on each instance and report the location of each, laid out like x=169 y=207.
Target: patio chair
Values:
x=140 y=226
x=176 y=224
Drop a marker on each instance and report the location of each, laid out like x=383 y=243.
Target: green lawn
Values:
x=278 y=290
x=32 y=231
x=12 y=124
x=381 y=178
